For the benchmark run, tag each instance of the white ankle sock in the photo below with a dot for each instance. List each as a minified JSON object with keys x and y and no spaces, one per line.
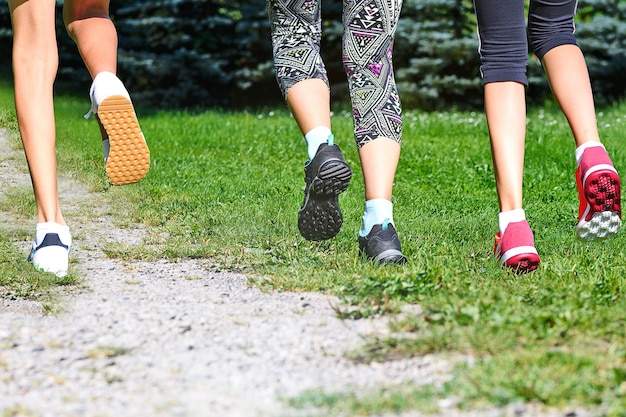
{"x":315,"y":137}
{"x":512,"y":216}
{"x":105,"y":84}
{"x":376,"y":211}
{"x":581,"y":149}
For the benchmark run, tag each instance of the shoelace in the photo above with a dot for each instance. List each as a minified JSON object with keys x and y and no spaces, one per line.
{"x":93,"y":109}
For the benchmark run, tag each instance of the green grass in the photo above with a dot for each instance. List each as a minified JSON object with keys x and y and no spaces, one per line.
{"x":226,"y":187}
{"x":19,"y":280}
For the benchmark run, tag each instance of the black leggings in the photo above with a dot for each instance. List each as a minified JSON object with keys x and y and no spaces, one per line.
{"x":502,"y":35}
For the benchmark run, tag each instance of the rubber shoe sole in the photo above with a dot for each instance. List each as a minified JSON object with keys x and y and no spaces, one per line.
{"x":320,"y":217}
{"x":601,"y":218}
{"x":524,"y":262}
{"x":128,"y":160}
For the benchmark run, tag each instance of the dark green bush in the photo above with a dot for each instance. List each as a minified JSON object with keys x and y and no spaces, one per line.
{"x":436,"y":55}
{"x":601,"y":32}
{"x":188,"y":53}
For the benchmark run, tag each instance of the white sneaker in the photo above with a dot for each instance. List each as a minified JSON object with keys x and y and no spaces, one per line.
{"x":51,"y":248}
{"x":126,"y":153}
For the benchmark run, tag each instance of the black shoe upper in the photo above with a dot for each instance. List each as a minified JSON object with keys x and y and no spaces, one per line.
{"x":326,"y":176}
{"x":382,"y":245}
{"x":325,"y":154}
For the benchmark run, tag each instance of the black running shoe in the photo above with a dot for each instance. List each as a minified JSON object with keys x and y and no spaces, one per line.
{"x":382,"y":245}
{"x":326,"y":176}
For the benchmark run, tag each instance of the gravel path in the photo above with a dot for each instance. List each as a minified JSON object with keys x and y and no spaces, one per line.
{"x":176,"y":339}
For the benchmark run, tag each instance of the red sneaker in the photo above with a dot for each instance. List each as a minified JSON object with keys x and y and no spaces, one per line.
{"x":516,"y":248}
{"x":599,"y":212}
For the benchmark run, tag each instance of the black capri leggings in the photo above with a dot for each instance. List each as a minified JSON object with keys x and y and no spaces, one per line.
{"x":503,"y":43}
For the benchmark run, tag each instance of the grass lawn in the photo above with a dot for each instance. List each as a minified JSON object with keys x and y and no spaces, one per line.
{"x":227,"y":187}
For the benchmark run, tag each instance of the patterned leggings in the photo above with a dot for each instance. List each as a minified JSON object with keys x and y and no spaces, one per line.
{"x":369,"y":28}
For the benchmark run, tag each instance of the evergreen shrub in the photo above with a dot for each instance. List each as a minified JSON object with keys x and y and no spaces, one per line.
{"x":217,"y":53}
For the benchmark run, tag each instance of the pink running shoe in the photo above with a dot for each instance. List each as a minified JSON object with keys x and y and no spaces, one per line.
{"x":599,"y":212}
{"x":516,"y":248}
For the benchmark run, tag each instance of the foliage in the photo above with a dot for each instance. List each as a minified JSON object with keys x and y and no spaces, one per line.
{"x":436,"y":56}
{"x":601,"y":33}
{"x":193,"y":52}
{"x":190,"y":53}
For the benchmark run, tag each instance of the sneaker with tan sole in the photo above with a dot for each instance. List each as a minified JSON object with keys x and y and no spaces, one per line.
{"x":126,"y":153}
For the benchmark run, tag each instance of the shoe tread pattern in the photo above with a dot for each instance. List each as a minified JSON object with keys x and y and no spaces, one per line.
{"x":320,"y":217}
{"x":129,"y":157}
{"x":602,"y":192}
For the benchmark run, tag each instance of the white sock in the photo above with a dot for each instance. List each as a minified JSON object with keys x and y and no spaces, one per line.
{"x":376,"y":211}
{"x":512,"y":216}
{"x":105,"y":84}
{"x":315,"y":137}
{"x":581,"y":149}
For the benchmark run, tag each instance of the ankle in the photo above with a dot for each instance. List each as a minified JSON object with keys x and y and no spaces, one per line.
{"x":377,"y":211}
{"x":315,"y":137}
{"x":511,"y":216}
{"x":62,"y":230}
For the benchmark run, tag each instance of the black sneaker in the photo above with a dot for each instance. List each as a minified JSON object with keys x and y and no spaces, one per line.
{"x":382,"y":245}
{"x":326,"y":176}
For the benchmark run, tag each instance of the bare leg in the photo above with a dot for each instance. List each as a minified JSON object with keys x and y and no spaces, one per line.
{"x":309,"y":101}
{"x":327,"y":173}
{"x":505,"y":106}
{"x":35,"y":63}
{"x":379,"y":160}
{"x":377,"y":239}
{"x":125,"y":150}
{"x":88,"y":24}
{"x":599,"y":212}
{"x":569,"y":80}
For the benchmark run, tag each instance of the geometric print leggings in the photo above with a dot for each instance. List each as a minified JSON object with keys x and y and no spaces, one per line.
{"x":367,"y":45}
